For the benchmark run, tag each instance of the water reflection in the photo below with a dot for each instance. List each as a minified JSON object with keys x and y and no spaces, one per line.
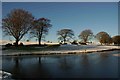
{"x":16,"y":68}
{"x":86,"y":65}
{"x":83,"y":65}
{"x":85,"y":60}
{"x":65,"y":64}
{"x":104,"y":54}
{"x":25,"y":67}
{"x":39,"y":60}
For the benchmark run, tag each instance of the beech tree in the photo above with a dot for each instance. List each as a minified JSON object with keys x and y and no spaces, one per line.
{"x":41,"y":28}
{"x":17,"y":23}
{"x":116,"y":39}
{"x":65,"y":35}
{"x":86,"y":35}
{"x":104,"y":38}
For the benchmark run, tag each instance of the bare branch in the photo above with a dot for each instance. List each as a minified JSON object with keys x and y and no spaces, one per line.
{"x":17,"y":23}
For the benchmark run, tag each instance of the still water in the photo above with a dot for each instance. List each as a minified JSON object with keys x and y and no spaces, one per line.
{"x":90,"y":65}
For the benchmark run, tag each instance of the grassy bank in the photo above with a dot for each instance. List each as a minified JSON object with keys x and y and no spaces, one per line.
{"x":57,"y":49}
{"x":31,"y":47}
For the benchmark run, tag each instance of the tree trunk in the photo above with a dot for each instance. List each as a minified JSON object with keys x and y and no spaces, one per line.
{"x":39,"y":41}
{"x":40,"y":36}
{"x":64,"y":40}
{"x":16,"y":43}
{"x":85,"y":40}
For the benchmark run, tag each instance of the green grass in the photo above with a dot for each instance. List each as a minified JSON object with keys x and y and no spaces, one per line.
{"x":32,"y":48}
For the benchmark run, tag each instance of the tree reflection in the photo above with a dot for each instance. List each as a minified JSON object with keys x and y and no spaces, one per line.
{"x":86,"y":67}
{"x":104,"y":55}
{"x":85,"y":60}
{"x":40,"y":71}
{"x":104,"y":59}
{"x":16,"y":61}
{"x":16,"y":68}
{"x":7,"y":58}
{"x":39,"y":58}
{"x":65,"y":63}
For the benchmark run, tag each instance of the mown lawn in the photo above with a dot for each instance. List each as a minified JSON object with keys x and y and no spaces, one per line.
{"x":32,"y":48}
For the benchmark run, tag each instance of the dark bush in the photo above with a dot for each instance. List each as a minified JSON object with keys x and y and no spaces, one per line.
{"x":14,"y":43}
{"x":21,"y":44}
{"x":60,"y":43}
{"x":82,"y":43}
{"x":8,"y":45}
{"x":74,"y":42}
{"x":64,"y":43}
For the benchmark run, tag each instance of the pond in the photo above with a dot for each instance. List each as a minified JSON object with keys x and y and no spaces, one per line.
{"x":85,"y":65}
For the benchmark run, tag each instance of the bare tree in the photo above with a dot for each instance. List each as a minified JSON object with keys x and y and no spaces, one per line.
{"x":40,"y":29}
{"x":104,"y":38}
{"x":65,"y":35}
{"x":86,"y":35}
{"x":17,"y":23}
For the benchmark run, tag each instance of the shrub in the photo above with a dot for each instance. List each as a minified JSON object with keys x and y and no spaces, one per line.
{"x":8,"y":45}
{"x":82,"y":43}
{"x":74,"y":42}
{"x":64,"y":43}
{"x":21,"y":44}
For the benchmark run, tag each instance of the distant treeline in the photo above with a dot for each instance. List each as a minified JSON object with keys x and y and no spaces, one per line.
{"x":19,"y":22}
